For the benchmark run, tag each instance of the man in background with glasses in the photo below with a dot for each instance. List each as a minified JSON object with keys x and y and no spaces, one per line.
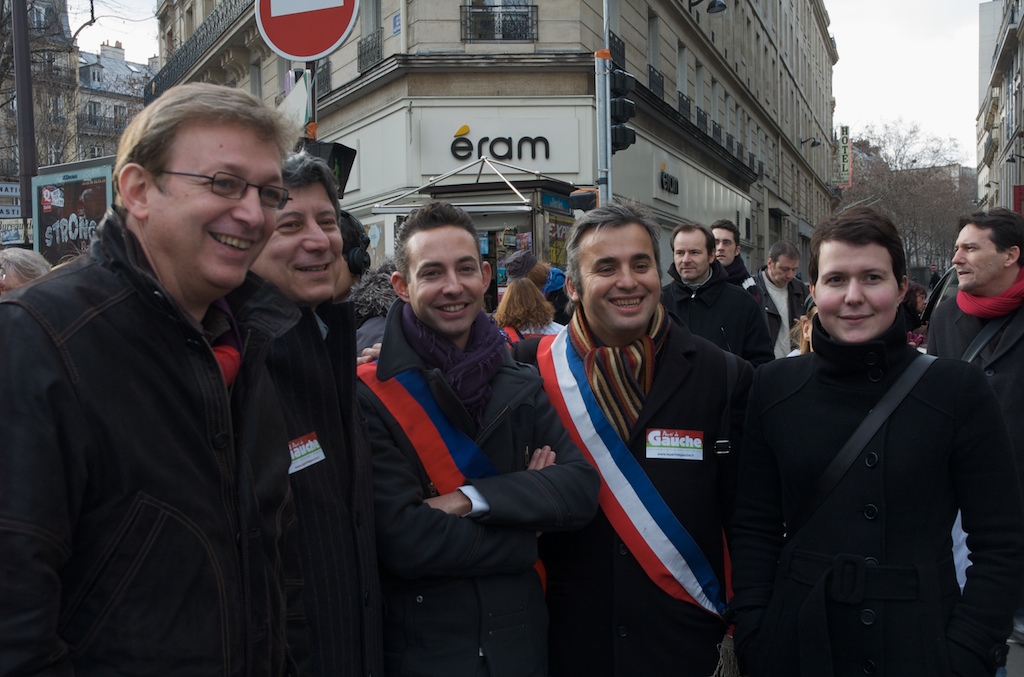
{"x":144,"y":500}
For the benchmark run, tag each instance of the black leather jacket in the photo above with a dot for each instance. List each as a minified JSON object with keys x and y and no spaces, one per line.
{"x":143,"y":505}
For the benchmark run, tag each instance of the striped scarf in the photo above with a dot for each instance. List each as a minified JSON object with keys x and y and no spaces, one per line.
{"x":622,"y":377}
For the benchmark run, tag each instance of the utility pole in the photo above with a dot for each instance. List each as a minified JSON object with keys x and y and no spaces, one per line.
{"x":27,"y":167}
{"x":602,"y":66}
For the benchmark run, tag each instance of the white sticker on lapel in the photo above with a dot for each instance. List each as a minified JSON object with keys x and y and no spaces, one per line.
{"x":686,"y":445}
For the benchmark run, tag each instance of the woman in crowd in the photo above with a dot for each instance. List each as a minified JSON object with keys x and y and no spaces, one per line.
{"x":842,"y":561}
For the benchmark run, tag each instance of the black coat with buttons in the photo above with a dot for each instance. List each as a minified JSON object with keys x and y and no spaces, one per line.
{"x":867,"y":585}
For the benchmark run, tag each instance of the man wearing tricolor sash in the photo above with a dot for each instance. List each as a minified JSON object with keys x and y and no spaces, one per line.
{"x":470,"y":463}
{"x":641,"y":590}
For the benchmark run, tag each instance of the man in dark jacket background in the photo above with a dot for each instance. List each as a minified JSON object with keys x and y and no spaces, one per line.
{"x":701,"y":297}
{"x":783,"y":294}
{"x":470,"y":462}
{"x":144,"y":499}
{"x":990,"y":273}
{"x":314,"y":368}
{"x":727,"y":251}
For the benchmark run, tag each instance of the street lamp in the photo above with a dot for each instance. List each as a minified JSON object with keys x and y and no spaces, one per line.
{"x":1013,"y":158}
{"x":814,"y":142}
{"x":714,"y":7}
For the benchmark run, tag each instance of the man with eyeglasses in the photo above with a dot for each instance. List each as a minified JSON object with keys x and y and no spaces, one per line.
{"x":783,"y":294}
{"x":145,"y":510}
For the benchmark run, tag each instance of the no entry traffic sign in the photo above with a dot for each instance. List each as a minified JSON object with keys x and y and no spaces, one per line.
{"x":305,"y":30}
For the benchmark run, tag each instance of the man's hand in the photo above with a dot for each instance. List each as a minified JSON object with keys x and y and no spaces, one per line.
{"x":455,"y":503}
{"x":369,"y":354}
{"x":542,"y":458}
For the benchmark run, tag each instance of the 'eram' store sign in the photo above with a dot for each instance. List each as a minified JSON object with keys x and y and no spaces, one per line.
{"x":548,"y":145}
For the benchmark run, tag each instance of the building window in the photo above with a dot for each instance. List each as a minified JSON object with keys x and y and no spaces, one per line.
{"x":256,"y":79}
{"x":120,"y":113}
{"x":499,"y":20}
{"x":94,"y":111}
{"x":653,"y":41}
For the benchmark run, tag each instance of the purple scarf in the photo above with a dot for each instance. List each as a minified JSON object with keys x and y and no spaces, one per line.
{"x":467,"y":372}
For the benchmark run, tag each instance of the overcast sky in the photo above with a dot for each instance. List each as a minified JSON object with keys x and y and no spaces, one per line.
{"x":915,"y":59}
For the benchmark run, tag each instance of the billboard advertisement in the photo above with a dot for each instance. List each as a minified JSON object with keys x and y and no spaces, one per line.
{"x":69,"y":204}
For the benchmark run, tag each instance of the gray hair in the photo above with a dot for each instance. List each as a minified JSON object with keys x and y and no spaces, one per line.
{"x":302,"y":169}
{"x":618,"y":214}
{"x":25,"y":263}
{"x":784,"y":248}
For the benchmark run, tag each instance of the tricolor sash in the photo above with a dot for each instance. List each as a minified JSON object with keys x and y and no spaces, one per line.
{"x":637,"y":512}
{"x":448,"y":455}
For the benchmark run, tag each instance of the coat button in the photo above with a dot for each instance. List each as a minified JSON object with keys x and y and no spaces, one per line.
{"x":419,"y":599}
{"x":221,"y":440}
{"x":869,"y":667}
{"x":871,"y":359}
{"x":867,"y":616}
{"x":990,"y":372}
{"x":623,"y":549}
{"x":871,"y":460}
{"x":870,"y":511}
{"x":874,"y":374}
{"x":622,"y":631}
{"x":870,"y":562}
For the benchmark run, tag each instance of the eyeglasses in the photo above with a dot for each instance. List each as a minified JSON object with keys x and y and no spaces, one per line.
{"x":234,"y":188}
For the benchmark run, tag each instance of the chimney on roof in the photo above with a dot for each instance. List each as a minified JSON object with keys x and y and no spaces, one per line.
{"x":115,"y":52}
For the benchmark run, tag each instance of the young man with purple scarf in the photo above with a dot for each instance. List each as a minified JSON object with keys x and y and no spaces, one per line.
{"x":987,"y":257}
{"x":470,"y":464}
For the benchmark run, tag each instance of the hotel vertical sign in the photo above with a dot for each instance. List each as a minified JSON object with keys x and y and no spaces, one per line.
{"x":844,"y":175}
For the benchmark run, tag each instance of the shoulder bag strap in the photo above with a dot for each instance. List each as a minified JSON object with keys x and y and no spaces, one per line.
{"x":723,"y":445}
{"x":858,"y":440}
{"x":986,"y":334}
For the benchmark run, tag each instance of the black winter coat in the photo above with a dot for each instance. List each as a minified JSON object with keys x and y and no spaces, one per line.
{"x":461,"y":596}
{"x":143,"y":505}
{"x":951,"y":331}
{"x":722,"y":313}
{"x":333,"y":497}
{"x":608,"y":619}
{"x":867,"y":584}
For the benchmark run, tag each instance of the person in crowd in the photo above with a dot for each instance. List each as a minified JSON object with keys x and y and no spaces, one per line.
{"x":985,"y":324}
{"x":701,"y":297}
{"x":842,"y":560}
{"x":313,"y":367}
{"x":524,"y":312}
{"x":19,"y":267}
{"x":355,"y":259}
{"x":640,"y":590}
{"x":145,"y":510}
{"x":802,"y":332}
{"x":372,"y":296}
{"x":554,"y":292}
{"x":913,"y":306}
{"x":782,"y":293}
{"x":727,"y":251}
{"x":470,"y":464}
{"x":934,"y":279}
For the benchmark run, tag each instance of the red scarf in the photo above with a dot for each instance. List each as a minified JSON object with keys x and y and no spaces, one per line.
{"x":987,"y":307}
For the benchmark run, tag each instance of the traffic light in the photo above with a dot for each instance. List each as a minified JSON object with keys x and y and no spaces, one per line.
{"x":621,"y":109}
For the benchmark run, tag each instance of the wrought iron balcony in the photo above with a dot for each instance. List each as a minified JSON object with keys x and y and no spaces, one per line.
{"x":105,"y":125}
{"x":503,"y":23}
{"x":617,"y":47}
{"x":684,"y":105}
{"x":702,"y":120}
{"x":323,"y":78}
{"x":196,"y":48}
{"x":716,"y":132}
{"x":729,"y":142}
{"x":371,"y":50}
{"x":656,"y":82}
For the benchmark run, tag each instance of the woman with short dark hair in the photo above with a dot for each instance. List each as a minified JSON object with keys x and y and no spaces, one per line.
{"x":841,"y":549}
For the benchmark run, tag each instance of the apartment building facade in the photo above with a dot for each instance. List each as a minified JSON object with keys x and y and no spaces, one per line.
{"x":734,"y":109}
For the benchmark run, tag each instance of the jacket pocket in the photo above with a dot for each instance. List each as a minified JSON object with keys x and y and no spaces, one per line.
{"x":156,"y":591}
